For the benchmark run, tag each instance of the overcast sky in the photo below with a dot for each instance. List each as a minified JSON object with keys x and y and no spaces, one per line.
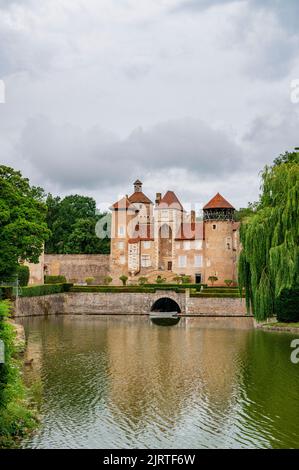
{"x":187,"y":95}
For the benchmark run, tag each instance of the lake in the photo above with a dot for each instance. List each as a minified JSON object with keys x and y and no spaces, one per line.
{"x":122,"y":382}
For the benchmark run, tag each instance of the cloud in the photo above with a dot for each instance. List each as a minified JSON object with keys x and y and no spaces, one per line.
{"x":70,"y":157}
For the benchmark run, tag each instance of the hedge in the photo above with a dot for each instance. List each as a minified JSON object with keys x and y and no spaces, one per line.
{"x":132,"y":289}
{"x":287,"y":306}
{"x":55,"y":279}
{"x":46,"y":289}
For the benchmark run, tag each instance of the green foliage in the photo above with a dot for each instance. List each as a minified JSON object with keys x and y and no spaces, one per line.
{"x":23,"y":227}
{"x":177,"y":279}
{"x":16,"y":419}
{"x":160,"y":279}
{"x":72,"y":221}
{"x":55,"y":279}
{"x":228,"y":282}
{"x":142,"y":280}
{"x":123,"y":278}
{"x":212,"y":279}
{"x":6,"y":292}
{"x":45,"y":289}
{"x":107,"y":280}
{"x":186,"y":279}
{"x":269,"y":262}
{"x":23,"y":273}
{"x":122,"y":289}
{"x":287,"y":305}
{"x":89,"y":280}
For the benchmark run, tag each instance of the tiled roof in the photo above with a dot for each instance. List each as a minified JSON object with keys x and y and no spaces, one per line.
{"x":218,"y":202}
{"x":170,"y":200}
{"x":191,"y":231}
{"x":123,"y":203}
{"x":140,"y":197}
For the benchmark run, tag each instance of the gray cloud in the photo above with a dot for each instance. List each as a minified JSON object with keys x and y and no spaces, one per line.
{"x":70,"y":157}
{"x":118,"y":65}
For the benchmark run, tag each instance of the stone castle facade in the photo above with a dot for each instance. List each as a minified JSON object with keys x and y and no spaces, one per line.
{"x":148,"y":239}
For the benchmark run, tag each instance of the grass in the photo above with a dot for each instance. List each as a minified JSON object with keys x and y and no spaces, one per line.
{"x":282,"y":325}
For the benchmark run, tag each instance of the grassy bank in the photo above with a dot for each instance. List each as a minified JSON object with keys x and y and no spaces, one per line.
{"x":17,"y":417}
{"x":292,"y":327}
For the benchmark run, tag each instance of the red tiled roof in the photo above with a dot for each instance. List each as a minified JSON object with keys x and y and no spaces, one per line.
{"x":218,"y":202}
{"x":170,"y":200}
{"x":140,"y":197}
{"x":191,"y":231}
{"x":123,"y":203}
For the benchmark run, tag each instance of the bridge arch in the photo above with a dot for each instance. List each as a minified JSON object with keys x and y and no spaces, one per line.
{"x":165,"y":304}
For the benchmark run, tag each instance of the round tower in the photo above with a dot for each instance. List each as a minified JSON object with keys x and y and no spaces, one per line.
{"x":220,"y":247}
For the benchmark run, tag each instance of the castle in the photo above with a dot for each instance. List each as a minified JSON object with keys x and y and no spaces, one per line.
{"x":148,"y":239}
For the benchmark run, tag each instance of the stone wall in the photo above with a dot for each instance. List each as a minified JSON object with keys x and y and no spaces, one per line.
{"x":79,"y":303}
{"x":121,"y":303}
{"x":216,"y":306}
{"x":36,"y":271}
{"x":36,"y":306}
{"x":76,"y":268}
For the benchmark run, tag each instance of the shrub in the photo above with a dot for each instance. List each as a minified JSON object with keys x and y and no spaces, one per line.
{"x":228,"y":282}
{"x":286,"y":306}
{"x":23,"y":273}
{"x":46,"y":289}
{"x":160,"y":279}
{"x":89,"y":280}
{"x":54,"y":279}
{"x":212,"y":279}
{"x":123,"y":279}
{"x":6,"y":292}
{"x":142,"y":281}
{"x":107,"y":280}
{"x":177,"y":279}
{"x":186,"y":279}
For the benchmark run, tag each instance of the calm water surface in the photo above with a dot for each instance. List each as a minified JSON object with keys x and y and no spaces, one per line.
{"x":121,"y":382}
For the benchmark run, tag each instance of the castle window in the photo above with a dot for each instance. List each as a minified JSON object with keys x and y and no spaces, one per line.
{"x":186,"y":245}
{"x":121,"y":245}
{"x":182,"y":261}
{"x":146,"y":261}
{"x":146,"y":245}
{"x":122,"y":260}
{"x":214,"y":226}
{"x":121,"y":231}
{"x":198,"y":244}
{"x":198,"y":261}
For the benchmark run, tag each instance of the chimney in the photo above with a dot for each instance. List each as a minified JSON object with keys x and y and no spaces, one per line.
{"x":158,"y":198}
{"x":192,"y":217}
{"x":138,"y":186}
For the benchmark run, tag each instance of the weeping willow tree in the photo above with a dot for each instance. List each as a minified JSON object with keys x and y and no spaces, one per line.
{"x":269,"y":261}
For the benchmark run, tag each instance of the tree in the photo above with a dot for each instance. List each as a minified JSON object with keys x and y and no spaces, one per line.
{"x":123,"y":278}
{"x":23,"y":227}
{"x":212,"y":279}
{"x":72,"y":221}
{"x":269,"y":261}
